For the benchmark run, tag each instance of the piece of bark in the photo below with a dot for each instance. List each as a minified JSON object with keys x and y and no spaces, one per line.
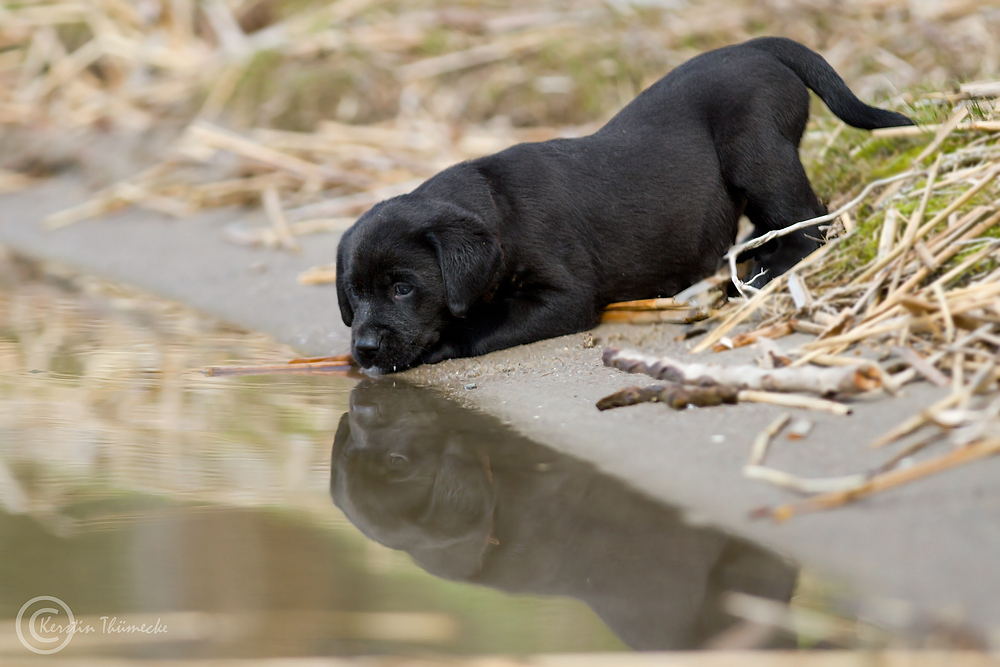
{"x":677,"y":396}
{"x":808,"y":379}
{"x":636,"y":395}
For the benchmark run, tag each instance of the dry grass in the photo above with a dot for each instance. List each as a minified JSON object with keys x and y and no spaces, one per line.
{"x":332,"y":106}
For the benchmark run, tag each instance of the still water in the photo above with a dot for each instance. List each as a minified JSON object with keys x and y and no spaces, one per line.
{"x":304,"y":515}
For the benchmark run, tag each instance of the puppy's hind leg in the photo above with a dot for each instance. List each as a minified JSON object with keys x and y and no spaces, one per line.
{"x":778,"y":194}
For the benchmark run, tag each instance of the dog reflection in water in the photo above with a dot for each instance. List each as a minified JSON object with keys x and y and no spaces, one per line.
{"x":471,"y":500}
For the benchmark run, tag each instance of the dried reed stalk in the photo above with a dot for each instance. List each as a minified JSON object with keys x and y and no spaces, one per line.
{"x":335,"y":367}
{"x":889,"y":480}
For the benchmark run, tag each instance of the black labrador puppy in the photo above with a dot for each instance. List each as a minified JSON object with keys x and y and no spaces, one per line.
{"x":472,"y":500}
{"x":534,"y":241}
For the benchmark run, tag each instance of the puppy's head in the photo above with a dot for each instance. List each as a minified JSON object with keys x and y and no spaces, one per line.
{"x":404,"y":269}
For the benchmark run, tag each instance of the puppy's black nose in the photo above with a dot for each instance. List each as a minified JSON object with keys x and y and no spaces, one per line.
{"x":365,"y":348}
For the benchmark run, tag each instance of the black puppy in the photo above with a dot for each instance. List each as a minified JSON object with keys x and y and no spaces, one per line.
{"x":534,"y":241}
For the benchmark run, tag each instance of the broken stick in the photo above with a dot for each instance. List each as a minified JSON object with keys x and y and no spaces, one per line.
{"x":683,"y":396}
{"x":763,"y":440}
{"x":676,"y":396}
{"x":808,"y":379}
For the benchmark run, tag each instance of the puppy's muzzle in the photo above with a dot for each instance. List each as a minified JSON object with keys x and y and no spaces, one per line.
{"x":366,"y":347}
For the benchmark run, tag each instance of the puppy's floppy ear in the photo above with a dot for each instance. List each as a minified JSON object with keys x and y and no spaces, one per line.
{"x":468,"y":253}
{"x":346,"y":312}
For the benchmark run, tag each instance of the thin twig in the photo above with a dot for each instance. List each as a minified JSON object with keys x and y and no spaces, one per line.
{"x":763,"y":440}
{"x":890,"y":480}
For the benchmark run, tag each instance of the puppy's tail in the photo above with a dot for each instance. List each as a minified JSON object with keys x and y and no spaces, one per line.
{"x":818,"y":75}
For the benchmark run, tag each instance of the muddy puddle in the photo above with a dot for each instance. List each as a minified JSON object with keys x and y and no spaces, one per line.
{"x":181,"y":516}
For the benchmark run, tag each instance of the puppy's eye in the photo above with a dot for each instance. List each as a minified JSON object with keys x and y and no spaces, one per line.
{"x":397,"y":461}
{"x":402,"y":289}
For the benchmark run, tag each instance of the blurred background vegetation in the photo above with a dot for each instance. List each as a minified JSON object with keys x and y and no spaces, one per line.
{"x":290,"y":64}
{"x":391,"y":91}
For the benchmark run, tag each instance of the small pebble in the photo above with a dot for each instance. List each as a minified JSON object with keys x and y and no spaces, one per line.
{"x":471,"y":385}
{"x":718,"y":438}
{"x":799,"y":429}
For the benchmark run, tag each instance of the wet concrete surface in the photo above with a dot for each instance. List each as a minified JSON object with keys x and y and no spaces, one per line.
{"x":935,"y":543}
